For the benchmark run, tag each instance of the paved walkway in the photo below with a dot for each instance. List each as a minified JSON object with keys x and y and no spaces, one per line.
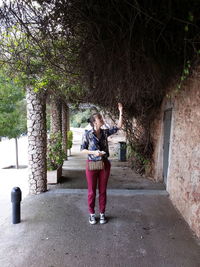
{"x":144,"y":229}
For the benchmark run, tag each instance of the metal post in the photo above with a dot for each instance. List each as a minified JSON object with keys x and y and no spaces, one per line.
{"x":16,"y":197}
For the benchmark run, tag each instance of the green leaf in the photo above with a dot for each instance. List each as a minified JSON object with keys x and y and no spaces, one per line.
{"x":186,"y":28}
{"x":36,"y":90}
{"x":191,"y":17}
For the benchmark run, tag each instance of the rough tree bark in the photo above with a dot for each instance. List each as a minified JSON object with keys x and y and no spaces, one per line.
{"x":37,"y":141}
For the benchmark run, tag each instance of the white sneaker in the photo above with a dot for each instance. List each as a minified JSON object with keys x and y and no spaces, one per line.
{"x":92,"y":219}
{"x":102,"y":218}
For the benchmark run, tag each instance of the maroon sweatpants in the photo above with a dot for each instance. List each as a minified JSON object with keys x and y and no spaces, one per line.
{"x":100,"y":177}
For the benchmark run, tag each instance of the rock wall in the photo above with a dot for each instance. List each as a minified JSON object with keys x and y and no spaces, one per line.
{"x":183,"y":181}
{"x":37,"y":141}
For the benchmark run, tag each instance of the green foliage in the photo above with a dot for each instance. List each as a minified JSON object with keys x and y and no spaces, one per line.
{"x":12,"y":107}
{"x":185,"y":74}
{"x":37,"y":61}
{"x":79,"y":118}
{"x":55,"y":153}
{"x":25,"y":57}
{"x":21,"y":55}
{"x":69,"y":139}
{"x":187,"y":66}
{"x":138,"y":161}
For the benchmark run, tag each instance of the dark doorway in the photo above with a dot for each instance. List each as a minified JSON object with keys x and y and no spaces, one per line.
{"x":166,"y":145}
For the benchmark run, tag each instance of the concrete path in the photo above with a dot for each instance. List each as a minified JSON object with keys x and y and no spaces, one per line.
{"x":144,"y":229}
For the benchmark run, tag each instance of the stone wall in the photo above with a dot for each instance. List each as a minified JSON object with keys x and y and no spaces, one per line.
{"x":37,"y":141}
{"x":183,"y":181}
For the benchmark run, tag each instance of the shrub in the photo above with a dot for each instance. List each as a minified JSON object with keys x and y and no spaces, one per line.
{"x":69,"y":139}
{"x":79,"y":119}
{"x":55,"y":153}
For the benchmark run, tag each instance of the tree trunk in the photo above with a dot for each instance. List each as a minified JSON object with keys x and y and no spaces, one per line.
{"x":64,"y":127}
{"x":37,"y":141}
{"x":56,"y":116}
{"x":16,"y":151}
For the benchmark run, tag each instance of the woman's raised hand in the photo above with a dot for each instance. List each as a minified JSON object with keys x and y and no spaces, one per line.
{"x":120,"y":107}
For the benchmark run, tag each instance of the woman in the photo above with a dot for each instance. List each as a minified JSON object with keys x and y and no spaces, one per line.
{"x":95,"y":145}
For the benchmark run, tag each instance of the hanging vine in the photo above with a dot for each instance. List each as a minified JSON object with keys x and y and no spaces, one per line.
{"x":127,"y":51}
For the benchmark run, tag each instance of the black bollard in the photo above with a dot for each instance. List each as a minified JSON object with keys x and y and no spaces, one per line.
{"x":16,"y":197}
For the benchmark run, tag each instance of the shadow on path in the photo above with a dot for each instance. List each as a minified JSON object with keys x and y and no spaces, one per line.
{"x":121,"y":177}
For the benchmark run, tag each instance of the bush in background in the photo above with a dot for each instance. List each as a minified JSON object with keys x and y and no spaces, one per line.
{"x":69,"y":139}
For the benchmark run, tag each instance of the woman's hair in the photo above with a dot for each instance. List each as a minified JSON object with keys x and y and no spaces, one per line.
{"x":93,"y":117}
